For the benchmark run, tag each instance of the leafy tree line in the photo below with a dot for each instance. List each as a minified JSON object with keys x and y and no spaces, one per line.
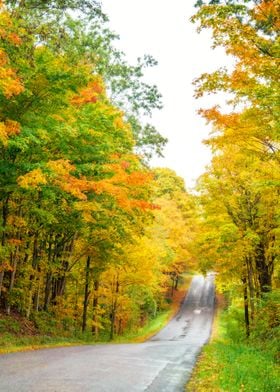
{"x":239,"y":235}
{"x":88,"y":239}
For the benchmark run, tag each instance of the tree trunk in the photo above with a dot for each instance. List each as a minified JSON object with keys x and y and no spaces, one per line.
{"x":250,"y":274}
{"x":95,"y":329}
{"x":264,"y":273}
{"x":48,"y":284}
{"x":1,"y":280}
{"x":114,"y":310}
{"x":176,"y":282}
{"x":12,"y":280}
{"x":246,"y":307}
{"x":113,"y":318}
{"x":5,"y":212}
{"x":48,"y":287}
{"x":86,"y":296}
{"x":37,"y":297}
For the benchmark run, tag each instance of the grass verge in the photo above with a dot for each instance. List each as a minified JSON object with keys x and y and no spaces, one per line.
{"x":234,"y":365}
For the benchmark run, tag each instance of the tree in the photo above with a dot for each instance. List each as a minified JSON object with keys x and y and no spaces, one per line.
{"x":249,"y":32}
{"x":239,"y":233}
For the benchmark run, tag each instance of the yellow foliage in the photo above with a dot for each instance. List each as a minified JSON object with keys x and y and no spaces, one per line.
{"x":33,"y":179}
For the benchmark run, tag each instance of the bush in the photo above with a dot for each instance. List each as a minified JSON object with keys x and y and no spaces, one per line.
{"x":10,"y":325}
{"x":45,"y":322}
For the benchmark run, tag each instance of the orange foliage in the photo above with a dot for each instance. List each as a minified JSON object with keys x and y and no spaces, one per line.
{"x":10,"y":83}
{"x":220,"y":120}
{"x":8,"y":128}
{"x":15,"y":241}
{"x":89,"y":94}
{"x":12,"y":127}
{"x":61,"y":170}
{"x":268,"y":10}
{"x":125,"y":165}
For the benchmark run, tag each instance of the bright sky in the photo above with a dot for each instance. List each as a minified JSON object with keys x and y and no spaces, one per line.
{"x":162,"y":28}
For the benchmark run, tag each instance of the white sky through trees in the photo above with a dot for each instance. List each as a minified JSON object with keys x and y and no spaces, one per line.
{"x":162,"y":28}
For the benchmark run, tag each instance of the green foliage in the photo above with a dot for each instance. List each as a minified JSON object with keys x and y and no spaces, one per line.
{"x":9,"y":325}
{"x":266,"y":329}
{"x":238,"y":235}
{"x":78,"y":239}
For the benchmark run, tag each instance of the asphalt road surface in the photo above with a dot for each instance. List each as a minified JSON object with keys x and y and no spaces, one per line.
{"x":162,"y":364}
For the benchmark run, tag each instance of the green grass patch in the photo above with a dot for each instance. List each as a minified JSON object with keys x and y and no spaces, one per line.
{"x":232,"y":363}
{"x":147,"y":331}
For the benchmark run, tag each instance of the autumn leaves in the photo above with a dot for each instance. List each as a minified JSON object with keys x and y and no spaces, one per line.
{"x":78,"y":207}
{"x":240,"y":191}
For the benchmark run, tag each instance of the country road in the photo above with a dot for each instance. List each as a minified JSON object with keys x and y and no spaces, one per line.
{"x":162,"y":364}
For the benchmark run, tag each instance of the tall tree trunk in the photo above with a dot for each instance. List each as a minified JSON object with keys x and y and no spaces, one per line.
{"x":95,"y":329}
{"x":114,"y":309}
{"x":12,"y":279}
{"x":113,"y":319}
{"x":86,"y":295}
{"x":37,"y":296}
{"x":250,"y":274}
{"x":5,"y":212}
{"x":246,"y":307}
{"x":48,"y":283}
{"x":1,"y":279}
{"x":264,"y":273}
{"x":32,"y":277}
{"x":48,"y":287}
{"x":176,"y":282}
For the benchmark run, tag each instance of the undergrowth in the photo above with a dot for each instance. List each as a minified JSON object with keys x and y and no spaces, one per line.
{"x":43,"y":330}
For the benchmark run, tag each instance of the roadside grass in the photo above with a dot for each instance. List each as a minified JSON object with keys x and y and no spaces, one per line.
{"x":232,"y":364}
{"x":233,"y":368}
{"x":19,"y":334}
{"x":147,"y":331}
{"x":10,"y":343}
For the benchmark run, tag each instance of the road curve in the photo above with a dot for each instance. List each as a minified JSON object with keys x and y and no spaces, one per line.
{"x":162,"y":364}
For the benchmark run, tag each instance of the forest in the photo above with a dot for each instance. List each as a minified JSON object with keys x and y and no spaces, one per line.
{"x":93,"y":240}
{"x":239,"y":194}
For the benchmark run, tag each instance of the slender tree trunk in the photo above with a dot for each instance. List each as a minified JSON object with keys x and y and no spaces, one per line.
{"x":176,"y":282}
{"x":5,"y":212}
{"x":250,"y":274}
{"x":172,"y":286}
{"x":120,"y":327}
{"x":86,"y":295}
{"x":246,"y":307}
{"x":95,"y":329}
{"x":48,"y":287}
{"x":12,"y":280}
{"x":114,"y":309}
{"x":48,"y":283}
{"x":37,"y":296}
{"x":113,"y":319}
{"x":1,"y":280}
{"x":29,"y":305}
